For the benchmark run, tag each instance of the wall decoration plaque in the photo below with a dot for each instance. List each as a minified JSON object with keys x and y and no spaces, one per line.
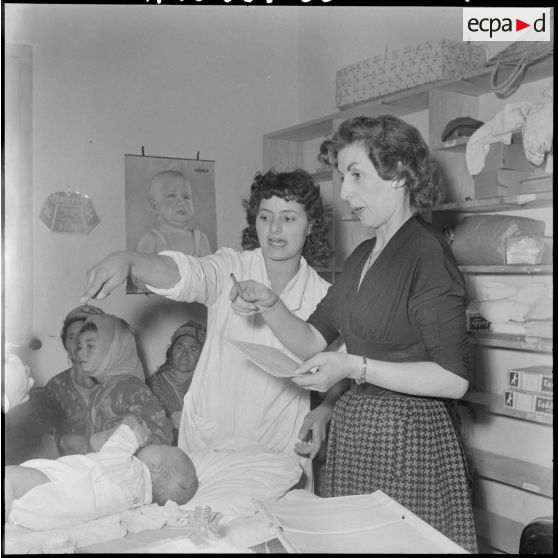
{"x":69,"y":212}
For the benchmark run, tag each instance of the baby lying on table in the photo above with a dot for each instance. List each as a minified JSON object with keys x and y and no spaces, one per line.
{"x":43,"y":494}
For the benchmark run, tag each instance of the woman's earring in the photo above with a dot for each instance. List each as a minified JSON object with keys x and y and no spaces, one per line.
{"x":396,"y":185}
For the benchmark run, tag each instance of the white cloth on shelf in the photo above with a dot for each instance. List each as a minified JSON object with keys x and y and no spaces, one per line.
{"x":538,"y":129}
{"x":499,"y":129}
{"x":535,"y":120}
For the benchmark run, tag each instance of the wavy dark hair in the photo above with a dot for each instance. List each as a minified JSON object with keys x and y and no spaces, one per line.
{"x":298,"y":186}
{"x":397,"y":150}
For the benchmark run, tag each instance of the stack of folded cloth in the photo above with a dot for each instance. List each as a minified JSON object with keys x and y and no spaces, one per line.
{"x":523,"y":310}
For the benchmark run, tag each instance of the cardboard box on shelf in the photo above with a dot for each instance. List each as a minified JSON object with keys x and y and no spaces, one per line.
{"x":405,"y":68}
{"x":537,"y":379}
{"x":513,"y":157}
{"x":512,"y":182}
{"x":507,"y":171}
{"x":475,"y":322}
{"x":528,"y":402}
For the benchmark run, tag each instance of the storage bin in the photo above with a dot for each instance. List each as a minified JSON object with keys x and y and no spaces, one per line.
{"x":404,"y":68}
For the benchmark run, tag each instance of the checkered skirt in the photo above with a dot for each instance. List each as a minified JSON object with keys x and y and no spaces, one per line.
{"x":409,"y":448}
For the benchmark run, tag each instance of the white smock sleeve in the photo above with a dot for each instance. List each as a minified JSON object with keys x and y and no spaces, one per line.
{"x":201,"y":278}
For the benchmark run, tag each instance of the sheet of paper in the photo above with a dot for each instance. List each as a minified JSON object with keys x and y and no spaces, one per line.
{"x":271,"y":360}
{"x":368,"y":523}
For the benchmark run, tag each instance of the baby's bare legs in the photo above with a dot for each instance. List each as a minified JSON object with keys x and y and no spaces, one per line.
{"x":19,"y":480}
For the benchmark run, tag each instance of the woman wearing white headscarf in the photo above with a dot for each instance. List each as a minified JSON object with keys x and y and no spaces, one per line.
{"x":69,"y":390}
{"x":106,"y":351}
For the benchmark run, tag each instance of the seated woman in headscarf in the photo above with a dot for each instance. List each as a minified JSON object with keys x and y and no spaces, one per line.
{"x":171,"y":380}
{"x":106,"y":351}
{"x":71,"y":389}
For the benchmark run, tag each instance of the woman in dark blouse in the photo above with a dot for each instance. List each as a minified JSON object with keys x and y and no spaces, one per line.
{"x":172,"y":379}
{"x":400,"y":306}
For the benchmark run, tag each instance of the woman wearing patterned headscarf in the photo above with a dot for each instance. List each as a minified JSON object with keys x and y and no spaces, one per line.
{"x":171,"y":380}
{"x":106,"y":351}
{"x":70,"y":390}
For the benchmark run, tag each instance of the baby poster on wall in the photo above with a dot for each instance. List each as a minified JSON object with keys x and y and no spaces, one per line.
{"x":170,"y":205}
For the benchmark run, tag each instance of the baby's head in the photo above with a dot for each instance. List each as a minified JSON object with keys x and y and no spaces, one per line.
{"x":173,"y":475}
{"x":170,"y":198}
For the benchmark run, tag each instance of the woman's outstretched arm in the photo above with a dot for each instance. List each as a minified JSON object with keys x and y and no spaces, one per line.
{"x":153,"y":269}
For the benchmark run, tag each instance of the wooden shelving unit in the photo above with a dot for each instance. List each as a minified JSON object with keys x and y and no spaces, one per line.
{"x":499,"y":532}
{"x":518,"y":269}
{"x":322,"y":175}
{"x":514,"y":342}
{"x":513,"y":472}
{"x":500,"y":203}
{"x":407,"y":101}
{"x":329,"y":272}
{"x":494,"y":403}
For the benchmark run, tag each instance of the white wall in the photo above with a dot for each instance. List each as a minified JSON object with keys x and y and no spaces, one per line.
{"x":175,"y":79}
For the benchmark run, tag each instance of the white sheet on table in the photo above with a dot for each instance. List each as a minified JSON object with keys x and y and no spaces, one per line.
{"x":369,"y":523}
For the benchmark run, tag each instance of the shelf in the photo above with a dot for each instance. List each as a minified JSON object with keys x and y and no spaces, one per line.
{"x":500,"y":532}
{"x":499,"y":203}
{"x":511,"y":341}
{"x":409,"y":101}
{"x":493,"y":402}
{"x":322,"y":175}
{"x":513,"y":472}
{"x":453,"y":144}
{"x":515,"y":269}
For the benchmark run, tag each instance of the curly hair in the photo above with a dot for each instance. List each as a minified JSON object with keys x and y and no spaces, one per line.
{"x":296,"y":186}
{"x":397,"y":150}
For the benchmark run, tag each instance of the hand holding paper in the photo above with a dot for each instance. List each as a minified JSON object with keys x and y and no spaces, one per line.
{"x":330,"y":367}
{"x":319,"y":372}
{"x":271,"y":360}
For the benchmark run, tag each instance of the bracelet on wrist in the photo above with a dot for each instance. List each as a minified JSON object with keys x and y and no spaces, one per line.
{"x":361,"y":378}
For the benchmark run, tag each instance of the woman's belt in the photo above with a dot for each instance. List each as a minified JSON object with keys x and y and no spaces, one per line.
{"x":371,"y":389}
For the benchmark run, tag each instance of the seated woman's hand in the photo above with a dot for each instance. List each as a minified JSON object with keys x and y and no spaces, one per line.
{"x":138,"y":428}
{"x":313,"y":432}
{"x":175,"y":419}
{"x":323,"y":370}
{"x":253,"y":298}
{"x":74,"y":443}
